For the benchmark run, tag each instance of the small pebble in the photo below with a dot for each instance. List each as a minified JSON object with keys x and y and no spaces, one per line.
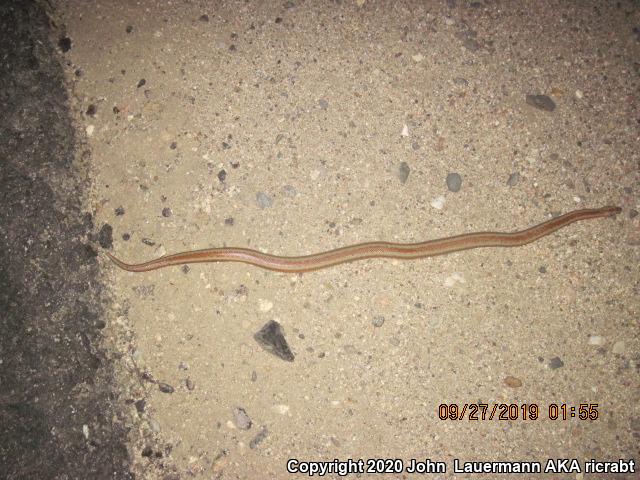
{"x":471,"y":44}
{"x":417,"y":58}
{"x":438,"y":202}
{"x":323,"y":104}
{"x":154,"y":425}
{"x":173,"y":145}
{"x":65,"y":44}
{"x":222,"y":175}
{"x":166,"y":212}
{"x":129,"y":29}
{"x":165,"y":387}
{"x":141,"y":82}
{"x":119,"y":211}
{"x":461,"y":82}
{"x":105,"y":236}
{"x":229,"y":221}
{"x":265,"y":305}
{"x":378,"y":320}
{"x":91,"y":110}
{"x":596,"y":340}
{"x":264,"y":200}
{"x":403,"y":172}
{"x":512,"y":382}
{"x":541,"y":102}
{"x":453,"y":279}
{"x":204,"y":18}
{"x":257,"y":440}
{"x":189,"y":384}
{"x":618,"y":347}
{"x":141,"y":405}
{"x":90,"y":129}
{"x":289,"y":191}
{"x":454,"y":182}
{"x":555,"y":363}
{"x":513,"y":179}
{"x":282,"y":409}
{"x":241,"y":419}
{"x":405,"y":131}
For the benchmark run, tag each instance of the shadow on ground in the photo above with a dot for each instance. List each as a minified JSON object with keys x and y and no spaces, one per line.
{"x":60,"y":415}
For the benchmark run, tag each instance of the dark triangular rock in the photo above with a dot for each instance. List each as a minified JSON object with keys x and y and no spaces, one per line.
{"x":271,"y":338}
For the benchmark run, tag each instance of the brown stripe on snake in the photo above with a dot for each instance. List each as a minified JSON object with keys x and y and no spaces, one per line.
{"x":403,"y":251}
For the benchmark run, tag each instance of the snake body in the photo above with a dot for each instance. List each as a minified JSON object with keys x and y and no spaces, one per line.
{"x":351,"y":253}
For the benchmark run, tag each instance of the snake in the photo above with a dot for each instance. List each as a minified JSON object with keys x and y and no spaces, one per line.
{"x":361,"y":251}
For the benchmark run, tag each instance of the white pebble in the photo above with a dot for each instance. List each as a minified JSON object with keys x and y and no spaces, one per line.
{"x":579,"y":94}
{"x":596,"y":340}
{"x":405,"y":131}
{"x":454,"y":278}
{"x":89,"y":130}
{"x":265,"y":305}
{"x":282,"y":409}
{"x":417,"y":58}
{"x":438,"y":202}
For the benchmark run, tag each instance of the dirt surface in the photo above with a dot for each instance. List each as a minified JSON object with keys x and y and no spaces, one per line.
{"x":295,"y":127}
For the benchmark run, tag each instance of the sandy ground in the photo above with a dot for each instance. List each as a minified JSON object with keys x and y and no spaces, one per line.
{"x":294,"y":127}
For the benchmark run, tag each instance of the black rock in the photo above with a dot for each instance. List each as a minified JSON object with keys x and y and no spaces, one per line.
{"x":271,"y":338}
